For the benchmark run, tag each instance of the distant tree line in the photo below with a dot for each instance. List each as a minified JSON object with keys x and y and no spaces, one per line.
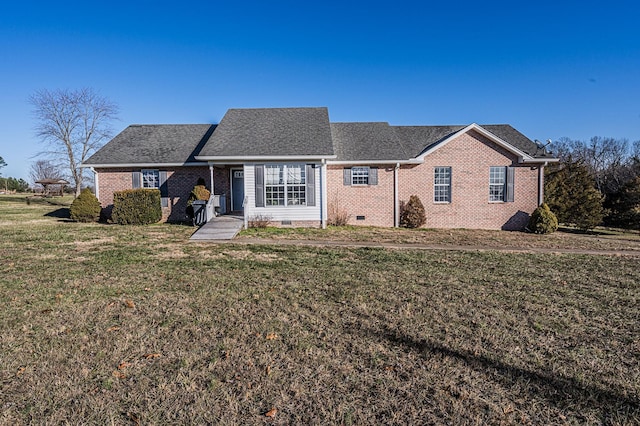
{"x":596,"y":182}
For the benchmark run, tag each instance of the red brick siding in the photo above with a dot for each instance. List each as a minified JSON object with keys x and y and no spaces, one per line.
{"x":180,"y":182}
{"x":374,"y":202}
{"x":470,"y":156}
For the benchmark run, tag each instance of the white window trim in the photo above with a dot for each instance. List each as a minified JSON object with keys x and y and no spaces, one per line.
{"x":448,"y":186}
{"x":142,"y":180}
{"x":504,"y":185}
{"x":286,"y":204}
{"x":363,"y":168}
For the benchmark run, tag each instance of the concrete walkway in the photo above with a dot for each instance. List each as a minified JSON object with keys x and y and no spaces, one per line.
{"x":219,"y":228}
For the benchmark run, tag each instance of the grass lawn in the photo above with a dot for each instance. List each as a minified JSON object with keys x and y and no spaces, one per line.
{"x":566,"y":238}
{"x":103,"y":324}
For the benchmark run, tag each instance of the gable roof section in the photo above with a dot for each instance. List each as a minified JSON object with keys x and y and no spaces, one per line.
{"x":418,"y":138}
{"x":503,"y":135}
{"x":366,"y":142}
{"x":270,"y":133}
{"x":157,"y":145}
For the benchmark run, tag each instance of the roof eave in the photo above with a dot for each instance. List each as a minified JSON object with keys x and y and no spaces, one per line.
{"x":128,"y":165}
{"x":537,"y":160}
{"x":215,"y":158}
{"x":374,"y":162}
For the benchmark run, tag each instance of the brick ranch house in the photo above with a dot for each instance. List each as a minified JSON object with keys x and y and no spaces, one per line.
{"x":297,"y":168}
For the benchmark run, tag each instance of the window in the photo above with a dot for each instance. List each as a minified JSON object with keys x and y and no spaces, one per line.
{"x":360,"y":176}
{"x":442,"y":185}
{"x":150,"y":179}
{"x":497,"y":183}
{"x":285,"y":184}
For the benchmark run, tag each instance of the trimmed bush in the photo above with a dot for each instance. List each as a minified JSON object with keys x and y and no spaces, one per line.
{"x":543,"y":220}
{"x":199,"y":192}
{"x":85,"y":208}
{"x":413,"y":214}
{"x":136,"y":207}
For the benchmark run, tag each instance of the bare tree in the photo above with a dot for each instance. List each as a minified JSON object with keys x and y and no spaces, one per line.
{"x":73,"y":124}
{"x":606,"y":159}
{"x":44,"y":169}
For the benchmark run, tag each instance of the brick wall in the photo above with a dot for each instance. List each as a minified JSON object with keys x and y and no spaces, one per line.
{"x":374,"y":202}
{"x":470,"y":156}
{"x":180,"y":182}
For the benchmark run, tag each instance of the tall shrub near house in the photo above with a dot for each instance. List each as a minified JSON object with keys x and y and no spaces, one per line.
{"x":543,"y":221}
{"x":136,"y":207}
{"x":571,"y":193}
{"x":624,"y":206}
{"x":85,"y":208}
{"x":413,"y":214}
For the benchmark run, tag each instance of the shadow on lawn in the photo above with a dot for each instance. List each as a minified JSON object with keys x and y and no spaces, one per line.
{"x":61,"y":213}
{"x":564,"y":393}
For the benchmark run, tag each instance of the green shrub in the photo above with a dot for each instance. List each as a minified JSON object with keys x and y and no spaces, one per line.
{"x":85,"y":208}
{"x":543,"y":220}
{"x":136,"y":207}
{"x":413,"y":215}
{"x":199,"y":192}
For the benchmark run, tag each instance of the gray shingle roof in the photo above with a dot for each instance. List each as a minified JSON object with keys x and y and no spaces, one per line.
{"x":417,"y":138}
{"x":283,"y":132}
{"x":271,"y":132}
{"x":154,"y":144}
{"x":517,"y":139}
{"x":367,"y":141}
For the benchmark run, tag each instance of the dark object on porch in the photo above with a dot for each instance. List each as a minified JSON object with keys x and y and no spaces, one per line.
{"x":199,"y":212}
{"x":52,"y":187}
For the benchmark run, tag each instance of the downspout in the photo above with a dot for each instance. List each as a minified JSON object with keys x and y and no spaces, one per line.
{"x":541,"y":183}
{"x":323,"y":194}
{"x":95,"y":183}
{"x":396,"y":197}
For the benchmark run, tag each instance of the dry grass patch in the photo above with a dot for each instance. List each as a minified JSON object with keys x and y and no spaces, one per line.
{"x":567,"y":239}
{"x":311,"y":335}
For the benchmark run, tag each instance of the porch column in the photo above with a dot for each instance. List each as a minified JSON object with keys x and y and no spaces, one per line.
{"x":211,"y":173}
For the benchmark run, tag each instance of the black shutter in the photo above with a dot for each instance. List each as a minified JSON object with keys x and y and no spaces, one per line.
{"x":135,"y":180}
{"x":259,"y":186}
{"x":373,"y":176}
{"x":346,"y":177}
{"x":164,"y":192}
{"x":510,"y":184}
{"x":311,"y":185}
{"x":450,"y":182}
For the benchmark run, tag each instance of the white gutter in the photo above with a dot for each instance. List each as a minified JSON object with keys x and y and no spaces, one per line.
{"x":376,"y":162}
{"x":396,"y":197}
{"x":545,"y":161}
{"x":148,"y":165}
{"x":245,"y":158}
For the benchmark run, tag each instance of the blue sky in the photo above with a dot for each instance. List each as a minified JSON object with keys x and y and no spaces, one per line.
{"x":549,"y":68}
